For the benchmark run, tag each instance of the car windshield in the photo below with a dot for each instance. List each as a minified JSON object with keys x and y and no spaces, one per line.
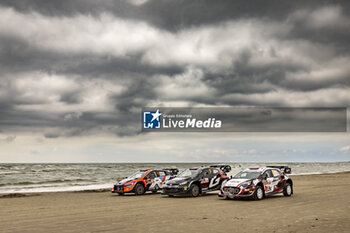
{"x":188,"y":173}
{"x":136,"y":175}
{"x":247,"y":175}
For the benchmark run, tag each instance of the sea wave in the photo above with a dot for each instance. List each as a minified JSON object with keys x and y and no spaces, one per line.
{"x":43,"y":182}
{"x":59,"y":189}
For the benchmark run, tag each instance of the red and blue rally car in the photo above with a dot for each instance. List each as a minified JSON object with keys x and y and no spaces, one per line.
{"x":144,"y":180}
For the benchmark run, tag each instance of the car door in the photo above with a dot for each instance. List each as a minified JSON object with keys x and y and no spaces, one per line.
{"x":149,"y":178}
{"x":268,"y":181}
{"x":158,"y":181}
{"x":215,"y":178}
{"x":204,"y":179}
{"x":276,"y":182}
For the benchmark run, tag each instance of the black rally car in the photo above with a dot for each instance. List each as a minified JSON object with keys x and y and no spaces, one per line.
{"x":196,"y":181}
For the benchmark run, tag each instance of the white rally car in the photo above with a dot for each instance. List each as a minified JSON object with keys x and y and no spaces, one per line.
{"x":258,"y":183}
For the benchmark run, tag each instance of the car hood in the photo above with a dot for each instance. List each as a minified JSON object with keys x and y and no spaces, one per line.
{"x":124,"y":181}
{"x":235,"y":182}
{"x":177,"y":180}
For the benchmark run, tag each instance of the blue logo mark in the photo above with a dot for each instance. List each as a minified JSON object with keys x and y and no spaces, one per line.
{"x":151,"y":120}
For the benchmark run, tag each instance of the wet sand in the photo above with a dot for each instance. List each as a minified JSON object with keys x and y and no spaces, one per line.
{"x":321,"y":203}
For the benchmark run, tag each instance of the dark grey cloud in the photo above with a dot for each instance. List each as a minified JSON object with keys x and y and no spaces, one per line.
{"x":173,"y":14}
{"x":69,"y":68}
{"x":51,"y":135}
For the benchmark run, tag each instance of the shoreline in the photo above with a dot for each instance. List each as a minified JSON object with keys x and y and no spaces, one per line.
{"x":34,"y":193}
{"x":43,"y":178}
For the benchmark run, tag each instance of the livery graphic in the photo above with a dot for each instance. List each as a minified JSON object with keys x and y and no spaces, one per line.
{"x":152,"y":120}
{"x":258,"y":183}
{"x":196,"y":181}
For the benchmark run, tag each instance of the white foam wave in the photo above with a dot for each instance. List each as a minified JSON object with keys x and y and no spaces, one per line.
{"x":57,"y":189}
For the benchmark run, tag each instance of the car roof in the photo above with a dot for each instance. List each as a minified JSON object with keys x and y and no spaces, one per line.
{"x":259,"y":169}
{"x":197,"y":168}
{"x":153,"y":170}
{"x":146,"y":170}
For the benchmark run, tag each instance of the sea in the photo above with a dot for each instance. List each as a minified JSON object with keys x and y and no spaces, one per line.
{"x":60,"y":177}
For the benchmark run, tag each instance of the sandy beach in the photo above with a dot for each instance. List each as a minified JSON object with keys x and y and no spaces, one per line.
{"x":321,"y":203}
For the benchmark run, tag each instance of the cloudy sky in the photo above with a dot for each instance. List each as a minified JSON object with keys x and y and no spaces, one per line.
{"x":75,"y":74}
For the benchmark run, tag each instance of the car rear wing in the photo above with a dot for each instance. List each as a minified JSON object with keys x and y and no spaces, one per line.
{"x":285,"y":169}
{"x":172,"y":171}
{"x":225,"y":168}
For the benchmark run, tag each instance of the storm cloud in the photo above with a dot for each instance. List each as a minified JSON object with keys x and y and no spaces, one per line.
{"x":71,"y":68}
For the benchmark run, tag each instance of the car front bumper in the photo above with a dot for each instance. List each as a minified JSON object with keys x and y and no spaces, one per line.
{"x":121,"y":189}
{"x":176,"y":190}
{"x":233,"y":192}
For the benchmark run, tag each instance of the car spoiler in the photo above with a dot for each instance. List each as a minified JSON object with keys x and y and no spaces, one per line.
{"x":225,"y":168}
{"x":286,"y":169}
{"x":172,"y":171}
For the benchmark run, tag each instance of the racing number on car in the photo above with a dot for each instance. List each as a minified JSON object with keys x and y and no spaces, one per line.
{"x":214,"y":181}
{"x":267,"y":186}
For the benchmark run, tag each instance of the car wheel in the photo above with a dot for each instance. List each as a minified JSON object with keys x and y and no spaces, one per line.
{"x":259,"y":193}
{"x":287,"y":190}
{"x":139,"y":189}
{"x":194,"y":190}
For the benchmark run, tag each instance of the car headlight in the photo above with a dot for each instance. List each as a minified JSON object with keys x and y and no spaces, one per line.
{"x":246,"y":184}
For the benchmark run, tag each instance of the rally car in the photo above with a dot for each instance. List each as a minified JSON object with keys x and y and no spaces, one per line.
{"x":258,"y":183}
{"x":144,"y":180}
{"x":196,"y":181}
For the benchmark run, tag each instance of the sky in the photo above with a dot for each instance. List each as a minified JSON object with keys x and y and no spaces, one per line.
{"x":74,"y":76}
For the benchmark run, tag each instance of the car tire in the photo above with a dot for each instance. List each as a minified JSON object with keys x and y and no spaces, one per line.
{"x":287,"y":190}
{"x":120,"y":194}
{"x":259,"y":193}
{"x":170,"y":195}
{"x":140,"y":189}
{"x":194,"y":190}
